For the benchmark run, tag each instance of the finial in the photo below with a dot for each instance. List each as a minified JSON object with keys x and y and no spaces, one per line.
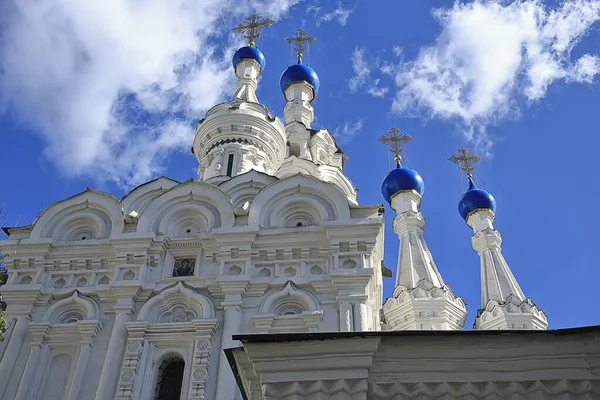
{"x":300,"y":42}
{"x":466,"y":160}
{"x":395,"y":140}
{"x":252,"y":27}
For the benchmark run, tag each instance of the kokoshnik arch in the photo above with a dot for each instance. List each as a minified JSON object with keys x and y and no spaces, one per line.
{"x":145,"y":297}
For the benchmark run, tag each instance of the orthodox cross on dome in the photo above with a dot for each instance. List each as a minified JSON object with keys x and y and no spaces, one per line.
{"x":253,"y":27}
{"x":466,"y":160}
{"x":395,"y":141}
{"x":300,"y":42}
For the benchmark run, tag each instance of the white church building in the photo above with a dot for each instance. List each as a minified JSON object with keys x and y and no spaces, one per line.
{"x":263,"y":279}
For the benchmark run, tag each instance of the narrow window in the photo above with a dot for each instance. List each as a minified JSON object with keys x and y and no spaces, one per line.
{"x":229,"y":164}
{"x":170,"y":379}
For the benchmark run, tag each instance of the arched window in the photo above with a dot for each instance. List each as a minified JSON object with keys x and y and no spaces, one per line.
{"x":170,"y":379}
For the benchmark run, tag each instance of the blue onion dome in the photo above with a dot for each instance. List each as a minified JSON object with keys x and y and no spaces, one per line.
{"x":298,"y":73}
{"x":401,"y":179}
{"x":249,"y":52}
{"x":475,"y":199}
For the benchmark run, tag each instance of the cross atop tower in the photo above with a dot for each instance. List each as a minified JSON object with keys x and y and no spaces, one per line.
{"x":466,"y":160}
{"x":252,"y":27}
{"x":300,"y":42}
{"x":395,"y":141}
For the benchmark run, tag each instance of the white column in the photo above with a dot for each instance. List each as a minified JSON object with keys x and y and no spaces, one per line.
{"x":346,"y":316}
{"x":10,"y":323}
{"x":114,"y":354}
{"x":360,"y":315}
{"x":89,"y":330}
{"x":226,"y":386}
{"x":30,"y":377}
{"x":12,"y":351}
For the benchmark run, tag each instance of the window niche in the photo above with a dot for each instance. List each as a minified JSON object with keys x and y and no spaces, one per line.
{"x":184,"y":267}
{"x":170,"y":379}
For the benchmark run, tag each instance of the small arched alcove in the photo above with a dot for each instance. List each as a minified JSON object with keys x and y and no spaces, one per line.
{"x":169,"y":380}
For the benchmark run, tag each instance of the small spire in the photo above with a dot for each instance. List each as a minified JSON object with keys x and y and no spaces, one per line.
{"x":300,"y":42}
{"x":253,"y":27}
{"x":395,"y":141}
{"x":466,"y":160}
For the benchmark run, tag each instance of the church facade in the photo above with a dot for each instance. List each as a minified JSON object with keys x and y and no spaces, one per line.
{"x":145,"y":297}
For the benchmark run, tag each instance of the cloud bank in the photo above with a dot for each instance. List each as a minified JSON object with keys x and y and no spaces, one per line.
{"x":491,"y":56}
{"x":113,"y":86}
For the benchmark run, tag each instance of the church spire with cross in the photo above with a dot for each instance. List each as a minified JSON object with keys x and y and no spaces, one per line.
{"x":242,"y":134}
{"x":421,"y":300}
{"x":299,"y":83}
{"x":503,"y":303}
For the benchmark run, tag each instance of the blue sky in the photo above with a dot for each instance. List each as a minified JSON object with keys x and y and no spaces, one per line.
{"x":106,"y":95}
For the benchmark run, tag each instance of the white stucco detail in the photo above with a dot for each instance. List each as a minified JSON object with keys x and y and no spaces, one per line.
{"x":421,"y":300}
{"x":503,"y":303}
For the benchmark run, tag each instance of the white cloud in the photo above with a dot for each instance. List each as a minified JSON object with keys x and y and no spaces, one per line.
{"x":340,"y":14}
{"x":362,"y":74}
{"x":376,"y":91}
{"x":491,"y":54}
{"x":114,"y":86}
{"x":348,"y":131}
{"x":360,"y":68}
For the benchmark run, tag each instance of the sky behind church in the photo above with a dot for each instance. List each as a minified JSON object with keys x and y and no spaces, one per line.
{"x":105,"y":94}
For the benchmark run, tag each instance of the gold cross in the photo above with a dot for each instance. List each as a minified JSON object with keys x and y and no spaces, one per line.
{"x":300,"y":42}
{"x":252,"y":27}
{"x":466,"y":160}
{"x":395,"y":142}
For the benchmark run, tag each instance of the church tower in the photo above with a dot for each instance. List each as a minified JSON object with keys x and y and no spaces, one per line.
{"x":503,"y":303}
{"x":242,"y":134}
{"x":421,"y":300}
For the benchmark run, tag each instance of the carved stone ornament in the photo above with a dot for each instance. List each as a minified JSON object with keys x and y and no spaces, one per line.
{"x":134,"y":347}
{"x":178,"y":316}
{"x":127,"y":376}
{"x":200,"y":374}
{"x":203,"y":345}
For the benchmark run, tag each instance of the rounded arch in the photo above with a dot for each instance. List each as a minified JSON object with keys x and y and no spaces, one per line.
{"x":177,"y":304}
{"x":138,"y":198}
{"x":296,"y":199}
{"x":289,"y":301}
{"x":244,"y":188}
{"x":191,"y":205}
{"x":72,"y":309}
{"x":87,"y":215}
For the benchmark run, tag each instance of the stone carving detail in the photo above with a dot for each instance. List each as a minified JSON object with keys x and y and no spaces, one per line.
{"x":127,"y":376}
{"x":203,"y":345}
{"x":134,"y":346}
{"x":339,"y":388}
{"x":480,"y":390}
{"x":200,"y":367}
{"x":178,"y":316}
{"x":200,"y":374}
{"x":131,"y":360}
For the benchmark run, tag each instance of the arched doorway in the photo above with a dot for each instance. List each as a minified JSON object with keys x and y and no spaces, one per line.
{"x":170,"y":379}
